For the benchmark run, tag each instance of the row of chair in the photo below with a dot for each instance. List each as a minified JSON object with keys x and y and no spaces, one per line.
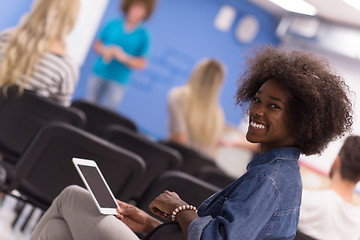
{"x":23,"y":116}
{"x":46,"y":168}
{"x":48,"y":141}
{"x":27,"y":114}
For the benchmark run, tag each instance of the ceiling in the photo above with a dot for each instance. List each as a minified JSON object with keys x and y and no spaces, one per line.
{"x":336,"y":11}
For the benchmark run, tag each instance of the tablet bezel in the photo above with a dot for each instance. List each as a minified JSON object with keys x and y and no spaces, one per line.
{"x":92,"y":163}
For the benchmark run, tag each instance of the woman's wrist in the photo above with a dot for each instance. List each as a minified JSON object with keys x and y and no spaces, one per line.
{"x":182,"y":208}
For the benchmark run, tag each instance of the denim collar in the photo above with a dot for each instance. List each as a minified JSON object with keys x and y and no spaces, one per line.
{"x":285,"y":153}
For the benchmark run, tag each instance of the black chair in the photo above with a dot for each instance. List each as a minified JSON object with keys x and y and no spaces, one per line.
{"x":46,"y":167}
{"x":21,"y":117}
{"x":173,"y":231}
{"x":99,"y":117}
{"x":158,"y":158}
{"x":302,"y":236}
{"x":191,"y":189}
{"x":166,"y":231}
{"x":214,"y":176}
{"x":192,"y":159}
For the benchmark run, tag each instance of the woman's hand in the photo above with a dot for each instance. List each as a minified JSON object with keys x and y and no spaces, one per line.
{"x":136,"y":219}
{"x":164,"y":204}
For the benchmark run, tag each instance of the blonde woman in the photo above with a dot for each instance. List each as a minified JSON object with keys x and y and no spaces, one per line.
{"x":196,"y":118}
{"x":33,"y":55}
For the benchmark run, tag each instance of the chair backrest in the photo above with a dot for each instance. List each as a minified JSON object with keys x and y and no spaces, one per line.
{"x":214,"y":176}
{"x":158,"y":158}
{"x":192,"y":159}
{"x":46,"y":167}
{"x":166,"y":231}
{"x":302,"y":236}
{"x":99,"y":117}
{"x":21,"y":117}
{"x":191,"y":189}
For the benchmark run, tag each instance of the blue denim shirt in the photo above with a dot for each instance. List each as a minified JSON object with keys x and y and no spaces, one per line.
{"x":264,"y":203}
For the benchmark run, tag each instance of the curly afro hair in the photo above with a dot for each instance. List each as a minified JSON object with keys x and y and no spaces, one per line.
{"x":319,"y":108}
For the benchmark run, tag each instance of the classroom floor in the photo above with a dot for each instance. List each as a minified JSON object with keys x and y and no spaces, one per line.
{"x":7,"y":216}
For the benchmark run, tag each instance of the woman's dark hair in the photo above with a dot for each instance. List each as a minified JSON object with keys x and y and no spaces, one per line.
{"x":350,"y":159}
{"x":319,"y":109}
{"x":149,"y":6}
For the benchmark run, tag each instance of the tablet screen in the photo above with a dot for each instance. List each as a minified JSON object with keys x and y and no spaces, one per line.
{"x":97,"y":186}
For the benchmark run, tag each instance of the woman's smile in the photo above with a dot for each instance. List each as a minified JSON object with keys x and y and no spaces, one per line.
{"x":257,"y":125}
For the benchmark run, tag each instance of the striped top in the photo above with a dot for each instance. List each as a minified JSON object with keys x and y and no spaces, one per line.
{"x":54,"y":78}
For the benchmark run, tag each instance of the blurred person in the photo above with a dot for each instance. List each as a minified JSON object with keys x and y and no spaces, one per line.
{"x":240,"y":141}
{"x":122,"y":46}
{"x":234,"y":151}
{"x":285,"y":118}
{"x":333,"y":214}
{"x":33,"y":54}
{"x":196,"y":118}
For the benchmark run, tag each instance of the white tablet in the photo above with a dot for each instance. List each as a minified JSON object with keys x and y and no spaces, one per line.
{"x":97,"y":186}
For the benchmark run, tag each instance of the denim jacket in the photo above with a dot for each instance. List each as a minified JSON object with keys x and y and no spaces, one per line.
{"x":264,"y":203}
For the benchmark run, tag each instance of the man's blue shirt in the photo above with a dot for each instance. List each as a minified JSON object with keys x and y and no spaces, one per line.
{"x":262,"y":204}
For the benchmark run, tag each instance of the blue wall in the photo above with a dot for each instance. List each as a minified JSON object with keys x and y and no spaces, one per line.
{"x":11,"y":12}
{"x":182,"y":33}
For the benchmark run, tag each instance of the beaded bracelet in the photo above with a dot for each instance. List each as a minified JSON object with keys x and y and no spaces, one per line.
{"x":180,"y":208}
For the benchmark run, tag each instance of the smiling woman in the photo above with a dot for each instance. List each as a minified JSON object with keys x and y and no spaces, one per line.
{"x":268,"y":118}
{"x":318,"y":108}
{"x":297,"y":105}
